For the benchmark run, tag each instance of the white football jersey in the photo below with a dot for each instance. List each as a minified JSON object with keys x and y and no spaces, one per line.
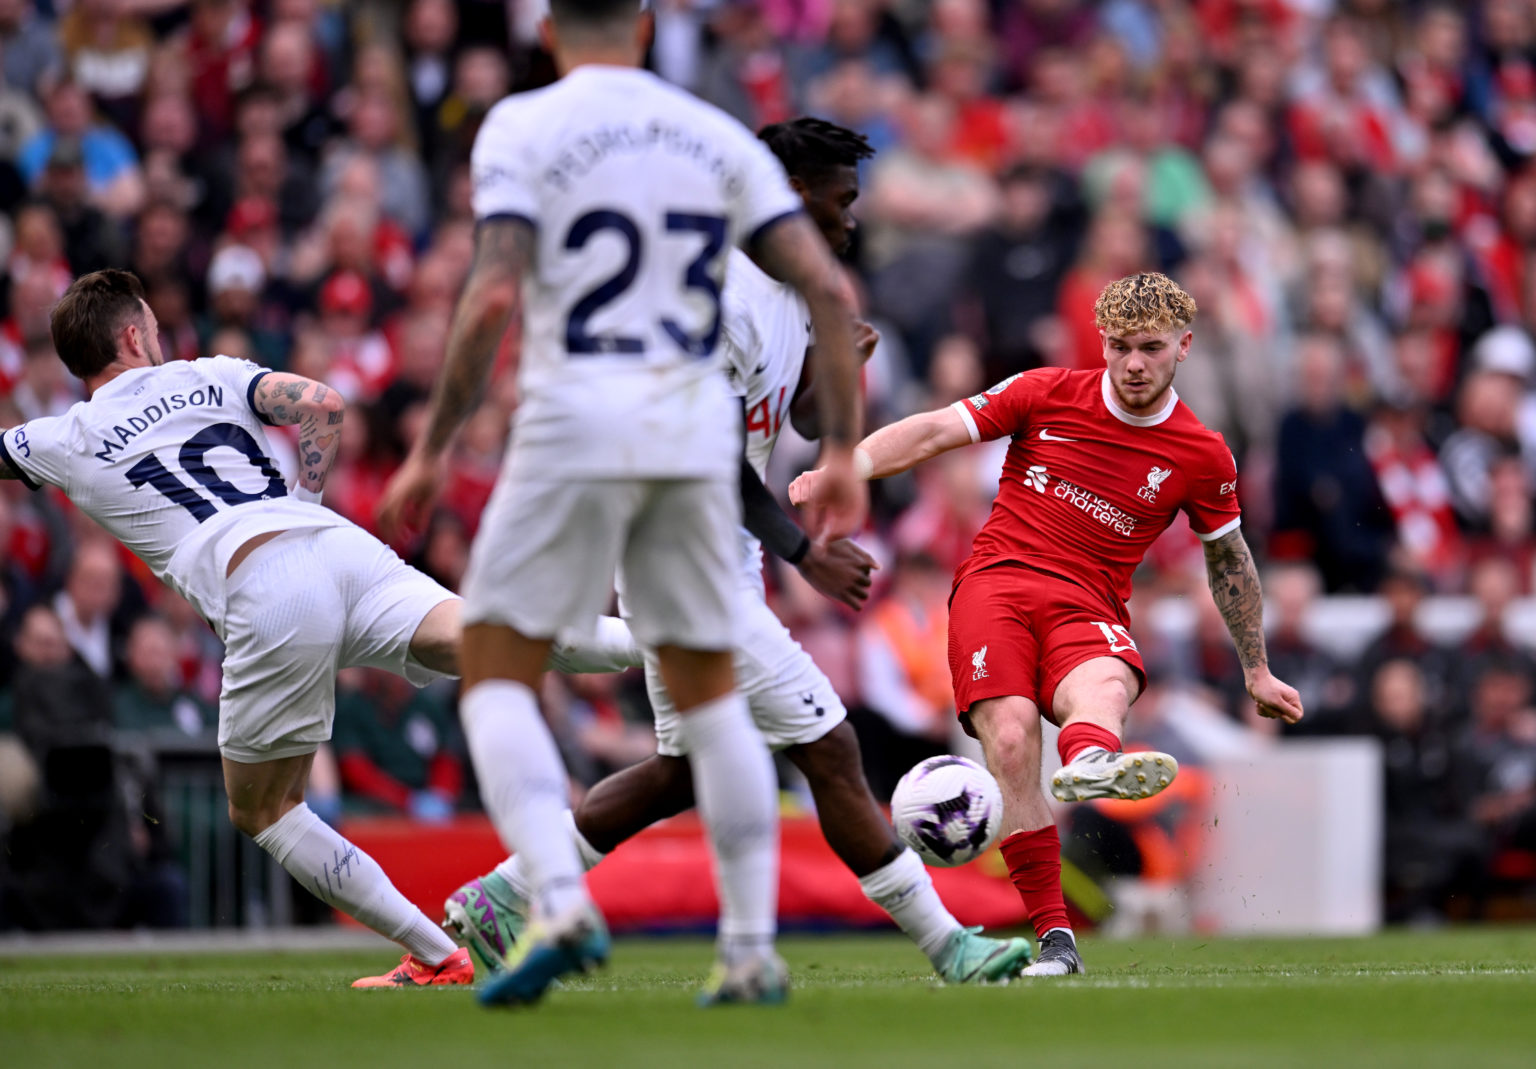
{"x":767,"y":329}
{"x":173,"y":461}
{"x":636,"y":190}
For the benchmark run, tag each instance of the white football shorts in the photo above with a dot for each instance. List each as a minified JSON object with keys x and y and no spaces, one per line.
{"x":791,"y":699}
{"x":544,"y":559}
{"x":308,"y":603}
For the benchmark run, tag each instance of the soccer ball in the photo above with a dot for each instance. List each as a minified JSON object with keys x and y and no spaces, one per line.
{"x":948,"y":809}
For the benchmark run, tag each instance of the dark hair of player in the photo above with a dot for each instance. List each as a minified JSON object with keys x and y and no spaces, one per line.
{"x":592,"y":12}
{"x":809,"y":148}
{"x":86,"y":321}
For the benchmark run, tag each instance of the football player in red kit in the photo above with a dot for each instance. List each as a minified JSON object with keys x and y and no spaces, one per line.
{"x":1099,"y":463}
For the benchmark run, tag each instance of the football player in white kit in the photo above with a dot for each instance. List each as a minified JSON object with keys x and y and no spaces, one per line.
{"x":172,"y":460}
{"x":607,"y":200}
{"x":792,"y":701}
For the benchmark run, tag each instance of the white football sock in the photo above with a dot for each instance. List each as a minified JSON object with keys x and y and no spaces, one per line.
{"x":737,"y":793}
{"x":905,"y":891}
{"x":524,"y":789}
{"x":611,"y":649}
{"x":515,"y":871}
{"x":345,"y":878}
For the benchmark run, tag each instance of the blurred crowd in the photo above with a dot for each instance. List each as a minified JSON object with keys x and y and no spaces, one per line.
{"x":1347,"y":188}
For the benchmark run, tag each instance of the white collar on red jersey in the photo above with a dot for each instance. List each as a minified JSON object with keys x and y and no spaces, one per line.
{"x":1135,"y":421}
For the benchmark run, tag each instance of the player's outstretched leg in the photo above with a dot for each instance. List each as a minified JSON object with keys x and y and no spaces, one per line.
{"x":266,"y":802}
{"x":1091,"y":703}
{"x":891,"y":875}
{"x":488,"y":914}
{"x":1009,"y":729}
{"x":1093,"y":766}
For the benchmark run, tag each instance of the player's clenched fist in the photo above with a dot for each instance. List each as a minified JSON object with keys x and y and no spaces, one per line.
{"x":408,"y":495}
{"x":1275,"y":699}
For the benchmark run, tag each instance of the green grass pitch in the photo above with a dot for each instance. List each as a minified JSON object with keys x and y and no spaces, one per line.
{"x":1447,"y":998}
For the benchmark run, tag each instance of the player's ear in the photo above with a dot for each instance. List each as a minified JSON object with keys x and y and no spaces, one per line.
{"x":798,"y":186}
{"x":1188,"y":337}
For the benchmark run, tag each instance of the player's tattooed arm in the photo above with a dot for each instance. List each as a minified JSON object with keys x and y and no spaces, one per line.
{"x":317,"y":409}
{"x":492,"y":296}
{"x":1235,"y":585}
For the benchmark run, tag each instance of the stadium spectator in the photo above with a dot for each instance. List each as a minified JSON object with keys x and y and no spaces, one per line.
{"x":29,"y":45}
{"x":1291,"y":593}
{"x":152,"y":697}
{"x":1433,"y":848}
{"x":397,"y":747}
{"x":1327,"y":504}
{"x":75,"y":137}
{"x":86,"y":605}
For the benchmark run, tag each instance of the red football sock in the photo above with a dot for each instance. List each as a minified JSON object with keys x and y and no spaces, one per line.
{"x":1034,"y":866}
{"x":1075,"y":738}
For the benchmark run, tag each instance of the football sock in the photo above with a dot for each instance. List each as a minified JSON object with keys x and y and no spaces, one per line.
{"x":736,"y":790}
{"x":345,"y":878}
{"x":1077,"y":737}
{"x":905,"y":891}
{"x":1034,"y":866}
{"x":612,"y":648}
{"x":515,"y":872}
{"x":524,"y":789}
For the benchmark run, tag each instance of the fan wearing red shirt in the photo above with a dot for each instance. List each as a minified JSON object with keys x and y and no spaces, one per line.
{"x":1100,"y":463}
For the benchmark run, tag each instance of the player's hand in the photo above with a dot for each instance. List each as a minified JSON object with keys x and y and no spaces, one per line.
{"x":840,"y":570}
{"x":840,"y":503}
{"x":409,"y":495}
{"x":865,"y":338}
{"x":803,"y":488}
{"x":1276,"y":700}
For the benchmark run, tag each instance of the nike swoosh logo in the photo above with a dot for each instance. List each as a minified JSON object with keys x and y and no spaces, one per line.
{"x":1047,"y":436}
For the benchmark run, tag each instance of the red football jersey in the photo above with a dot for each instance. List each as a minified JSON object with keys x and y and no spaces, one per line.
{"x":1086,"y":486}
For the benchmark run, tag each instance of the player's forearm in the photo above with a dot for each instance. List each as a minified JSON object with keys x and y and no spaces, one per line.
{"x":900,"y":446}
{"x":836,"y":363}
{"x":286,"y":400}
{"x":492,"y":296}
{"x":762,"y":515}
{"x":1235,"y":585}
{"x":320,"y":421}
{"x":477,"y":330}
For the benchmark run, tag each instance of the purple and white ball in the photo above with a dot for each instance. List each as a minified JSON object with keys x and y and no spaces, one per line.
{"x":948,"y":809}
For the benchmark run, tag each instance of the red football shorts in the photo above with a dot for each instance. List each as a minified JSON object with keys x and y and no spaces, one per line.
{"x":1015,"y":630}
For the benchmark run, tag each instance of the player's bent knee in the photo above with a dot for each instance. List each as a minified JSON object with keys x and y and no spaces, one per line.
{"x":1009,"y":730}
{"x":253,"y":820}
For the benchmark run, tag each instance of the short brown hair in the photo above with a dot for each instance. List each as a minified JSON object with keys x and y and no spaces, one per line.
{"x":86,"y":321}
{"x":1148,"y":303}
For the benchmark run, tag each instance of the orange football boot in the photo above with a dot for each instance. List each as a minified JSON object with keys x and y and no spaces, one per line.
{"x":457,"y":968}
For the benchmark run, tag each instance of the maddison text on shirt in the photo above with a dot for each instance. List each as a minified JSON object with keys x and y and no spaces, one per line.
{"x":153,"y":413}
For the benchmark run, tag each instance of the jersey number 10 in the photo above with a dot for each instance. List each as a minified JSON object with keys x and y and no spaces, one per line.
{"x":580,"y":341}
{"x":194,"y":461}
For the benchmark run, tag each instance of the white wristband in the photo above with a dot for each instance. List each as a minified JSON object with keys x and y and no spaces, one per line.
{"x":303,"y":493}
{"x":863,"y":466}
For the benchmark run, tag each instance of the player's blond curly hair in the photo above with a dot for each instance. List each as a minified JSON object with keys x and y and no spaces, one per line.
{"x":1148,"y":303}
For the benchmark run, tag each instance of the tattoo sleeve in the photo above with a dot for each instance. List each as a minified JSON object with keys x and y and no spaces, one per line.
{"x":492,"y":295}
{"x":1235,"y":585}
{"x":318,"y":410}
